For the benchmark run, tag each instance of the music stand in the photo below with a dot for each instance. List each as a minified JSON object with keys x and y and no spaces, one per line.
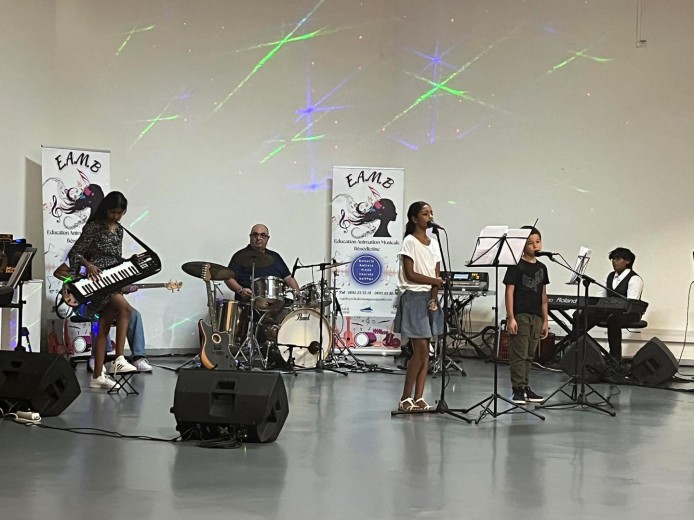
{"x":578,"y":395}
{"x":14,"y":282}
{"x":498,"y":246}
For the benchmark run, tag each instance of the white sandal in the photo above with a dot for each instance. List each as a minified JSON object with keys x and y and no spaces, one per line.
{"x":425,"y":407}
{"x":408,"y":405}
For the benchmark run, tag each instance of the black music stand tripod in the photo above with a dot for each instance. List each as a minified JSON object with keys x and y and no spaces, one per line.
{"x":495,"y":248}
{"x":578,"y":395}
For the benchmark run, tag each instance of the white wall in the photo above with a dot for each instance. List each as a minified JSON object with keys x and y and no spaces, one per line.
{"x":598,"y":149}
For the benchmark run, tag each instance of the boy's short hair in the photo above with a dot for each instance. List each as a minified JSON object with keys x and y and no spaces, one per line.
{"x":533,"y":231}
{"x":624,"y":254}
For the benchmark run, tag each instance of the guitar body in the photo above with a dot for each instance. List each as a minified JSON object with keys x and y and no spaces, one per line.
{"x":214,"y":348}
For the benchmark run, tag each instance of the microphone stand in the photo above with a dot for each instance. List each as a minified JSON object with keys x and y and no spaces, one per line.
{"x":578,"y":395}
{"x":441,"y":405}
{"x":320,"y":365}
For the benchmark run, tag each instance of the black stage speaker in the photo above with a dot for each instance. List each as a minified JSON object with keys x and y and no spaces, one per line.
{"x":46,"y":383}
{"x":253,"y":401}
{"x":595,"y":362}
{"x":653,"y":364}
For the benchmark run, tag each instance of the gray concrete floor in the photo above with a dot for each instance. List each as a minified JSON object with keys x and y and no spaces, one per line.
{"x":341,"y":455}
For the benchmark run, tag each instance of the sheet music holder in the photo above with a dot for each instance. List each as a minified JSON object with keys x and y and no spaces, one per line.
{"x":498,"y":246}
{"x":581,"y":265}
{"x":15,"y":281}
{"x":23,"y":262}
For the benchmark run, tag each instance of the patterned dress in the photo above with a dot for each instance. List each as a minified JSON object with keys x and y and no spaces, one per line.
{"x":103,"y":248}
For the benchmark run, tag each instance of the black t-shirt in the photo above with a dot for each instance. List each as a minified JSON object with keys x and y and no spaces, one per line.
{"x":529,"y":280}
{"x":243,"y":274}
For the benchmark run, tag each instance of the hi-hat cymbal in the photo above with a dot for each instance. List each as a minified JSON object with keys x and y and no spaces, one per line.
{"x":336,"y":264}
{"x":248,"y":257}
{"x":217,"y":272}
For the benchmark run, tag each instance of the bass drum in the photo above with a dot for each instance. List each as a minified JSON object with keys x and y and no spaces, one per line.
{"x":302,"y":328}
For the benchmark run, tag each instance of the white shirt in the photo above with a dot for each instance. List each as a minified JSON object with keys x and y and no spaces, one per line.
{"x":635,"y":285}
{"x":424,"y":259}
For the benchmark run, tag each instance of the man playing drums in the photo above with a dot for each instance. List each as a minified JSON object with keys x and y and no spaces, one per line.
{"x":269,"y":267}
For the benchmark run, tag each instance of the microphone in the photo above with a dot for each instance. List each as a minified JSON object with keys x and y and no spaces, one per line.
{"x":296,"y":264}
{"x":434,"y":225}
{"x":545,"y":253}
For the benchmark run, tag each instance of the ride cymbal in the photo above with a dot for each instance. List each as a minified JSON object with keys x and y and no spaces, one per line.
{"x":248,"y":257}
{"x":217,"y":272}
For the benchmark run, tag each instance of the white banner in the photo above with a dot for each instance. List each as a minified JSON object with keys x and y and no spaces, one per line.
{"x":367,"y":227}
{"x":74,"y":184}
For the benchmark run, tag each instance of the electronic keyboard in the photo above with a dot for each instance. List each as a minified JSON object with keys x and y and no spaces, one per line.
{"x":606,"y":303}
{"x":136,"y":268}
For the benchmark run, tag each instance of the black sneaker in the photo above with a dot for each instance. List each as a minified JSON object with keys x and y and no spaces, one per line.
{"x":518,"y":396}
{"x":532,"y":396}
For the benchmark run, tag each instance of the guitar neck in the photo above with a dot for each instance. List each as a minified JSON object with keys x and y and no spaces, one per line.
{"x":150,"y":285}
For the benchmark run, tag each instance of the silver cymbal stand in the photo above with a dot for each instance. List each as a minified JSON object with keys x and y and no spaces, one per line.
{"x":251,"y":343}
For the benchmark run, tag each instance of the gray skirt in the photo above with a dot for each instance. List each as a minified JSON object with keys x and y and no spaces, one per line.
{"x":413,"y":318}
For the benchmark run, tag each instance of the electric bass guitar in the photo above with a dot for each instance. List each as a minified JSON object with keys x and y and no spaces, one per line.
{"x":214,"y":344}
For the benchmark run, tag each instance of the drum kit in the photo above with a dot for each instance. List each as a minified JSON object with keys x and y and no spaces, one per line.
{"x":282,"y":328}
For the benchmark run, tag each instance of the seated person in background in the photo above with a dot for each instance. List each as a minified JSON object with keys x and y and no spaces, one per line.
{"x":241,"y":285}
{"x":135,"y":333}
{"x":624,"y":281}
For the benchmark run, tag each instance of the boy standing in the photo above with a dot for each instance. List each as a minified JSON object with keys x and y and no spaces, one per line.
{"x":526,"y":315}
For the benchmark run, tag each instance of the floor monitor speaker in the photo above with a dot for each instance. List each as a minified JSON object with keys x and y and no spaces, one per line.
{"x":253,"y":401}
{"x":653,"y":364}
{"x":45,"y":383}
{"x":572,"y":360}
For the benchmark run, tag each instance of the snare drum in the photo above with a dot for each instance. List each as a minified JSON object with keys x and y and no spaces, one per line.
{"x":269,"y":292}
{"x":302,"y":328}
{"x":315,"y":296}
{"x":232,"y":317}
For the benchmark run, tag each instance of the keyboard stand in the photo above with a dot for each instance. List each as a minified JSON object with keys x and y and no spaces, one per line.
{"x":123,"y":383}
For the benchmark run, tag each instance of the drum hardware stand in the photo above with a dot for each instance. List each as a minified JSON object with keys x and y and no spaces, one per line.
{"x":578,"y":396}
{"x":338,"y":343}
{"x":292,"y":365}
{"x":320,"y":365}
{"x":480,"y":257}
{"x":250,"y":342}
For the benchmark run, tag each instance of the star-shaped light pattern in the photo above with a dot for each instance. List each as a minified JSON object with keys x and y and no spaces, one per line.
{"x":442,"y":87}
{"x":307,"y":113}
{"x":575,"y":56}
{"x":435,"y":62}
{"x":135,"y":30}
{"x":275,"y":49}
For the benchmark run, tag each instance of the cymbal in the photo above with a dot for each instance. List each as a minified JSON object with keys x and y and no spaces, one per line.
{"x":217,"y":272}
{"x":248,"y":257}
{"x":336,"y":264}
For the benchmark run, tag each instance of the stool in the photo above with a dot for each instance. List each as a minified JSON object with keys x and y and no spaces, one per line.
{"x":123,"y":382}
{"x":641,"y":324}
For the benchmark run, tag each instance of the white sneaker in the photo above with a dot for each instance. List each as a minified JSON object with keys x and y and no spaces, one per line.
{"x":104,"y":382}
{"x":90,"y":365}
{"x":142,"y":365}
{"x":120,"y":365}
